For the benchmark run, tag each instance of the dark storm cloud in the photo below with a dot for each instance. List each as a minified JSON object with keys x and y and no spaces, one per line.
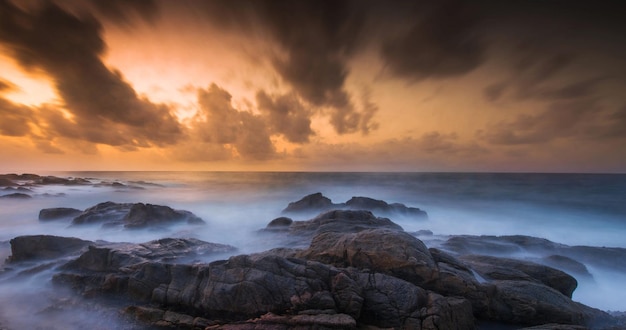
{"x":316,"y":38}
{"x":125,"y":12}
{"x":439,"y":39}
{"x":286,"y":115}
{"x":68,"y":48}
{"x":218,"y":122}
{"x":574,"y":119}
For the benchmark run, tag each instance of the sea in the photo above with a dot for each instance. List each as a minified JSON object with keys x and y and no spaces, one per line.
{"x":572,"y":209}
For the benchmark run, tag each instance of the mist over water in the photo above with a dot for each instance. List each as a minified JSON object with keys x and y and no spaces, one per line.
{"x":573,"y":209}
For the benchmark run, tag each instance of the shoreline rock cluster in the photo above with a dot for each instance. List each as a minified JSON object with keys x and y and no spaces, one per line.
{"x":21,"y":186}
{"x":344,"y":269}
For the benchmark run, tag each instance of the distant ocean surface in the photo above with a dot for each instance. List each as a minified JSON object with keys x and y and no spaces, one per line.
{"x":574,"y":209}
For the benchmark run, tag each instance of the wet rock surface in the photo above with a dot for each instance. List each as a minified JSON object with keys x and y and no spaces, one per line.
{"x":58,"y":213}
{"x":353,"y":270}
{"x":134,"y":215}
{"x":319,"y":203}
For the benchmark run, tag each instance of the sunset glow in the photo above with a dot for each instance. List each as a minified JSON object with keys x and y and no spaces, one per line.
{"x":313,"y":86}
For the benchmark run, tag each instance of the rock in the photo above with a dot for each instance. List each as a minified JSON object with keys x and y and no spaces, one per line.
{"x":280,"y":222}
{"x":495,"y":268}
{"x":525,"y":302}
{"x":134,"y":215}
{"x":387,"y":251}
{"x":5,"y":182}
{"x":611,"y":258}
{"x":555,"y":326}
{"x":566,"y":264}
{"x":25,"y":248}
{"x":376,"y":206}
{"x":313,"y":202}
{"x":319,"y":203}
{"x":341,"y":221}
{"x":58,"y":213}
{"x":16,"y":196}
{"x":142,"y":215}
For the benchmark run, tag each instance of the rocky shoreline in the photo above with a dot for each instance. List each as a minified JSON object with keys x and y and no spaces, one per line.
{"x":343,"y":269}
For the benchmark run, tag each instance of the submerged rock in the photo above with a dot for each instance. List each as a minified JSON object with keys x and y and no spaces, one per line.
{"x":16,"y":196}
{"x":134,"y":215}
{"x":58,"y":213}
{"x":37,"y":247}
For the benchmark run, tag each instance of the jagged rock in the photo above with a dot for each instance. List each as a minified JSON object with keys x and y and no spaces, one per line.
{"x":6,"y":182}
{"x":341,"y":221}
{"x":376,"y":206}
{"x":567,"y":264}
{"x":58,"y":213}
{"x":312,"y":202}
{"x":526,"y":302}
{"x":611,"y":258}
{"x":495,"y":268}
{"x":279,"y":224}
{"x":16,"y":196}
{"x":387,"y":251}
{"x":35,"y":247}
{"x":319,"y":203}
{"x":134,"y":215}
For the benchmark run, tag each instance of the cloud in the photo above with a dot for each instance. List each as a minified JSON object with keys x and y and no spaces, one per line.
{"x":6,"y":86}
{"x":576,"y":119}
{"x":218,"y":122}
{"x":315,"y":39}
{"x":438,"y":40}
{"x":15,"y":119}
{"x":286,"y":115}
{"x":68,"y":48}
{"x":125,"y":12}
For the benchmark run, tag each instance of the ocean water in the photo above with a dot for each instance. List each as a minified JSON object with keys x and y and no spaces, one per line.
{"x":573,"y":209}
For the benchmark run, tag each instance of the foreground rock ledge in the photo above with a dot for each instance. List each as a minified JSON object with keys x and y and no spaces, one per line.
{"x":359,"y":270}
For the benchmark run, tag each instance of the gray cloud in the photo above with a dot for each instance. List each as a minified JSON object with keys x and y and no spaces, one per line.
{"x":68,"y":48}
{"x":438,"y":40}
{"x":218,"y":122}
{"x":286,"y":115}
{"x":577,"y":119}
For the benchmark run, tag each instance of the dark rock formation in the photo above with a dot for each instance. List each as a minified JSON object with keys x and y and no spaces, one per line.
{"x":612,"y":258}
{"x":58,"y":213}
{"x":134,"y":215}
{"x":16,"y":196}
{"x":36,"y":247}
{"x":517,"y":270}
{"x":379,"y":206}
{"x":358,"y":271}
{"x":313,"y":202}
{"x":319,"y":203}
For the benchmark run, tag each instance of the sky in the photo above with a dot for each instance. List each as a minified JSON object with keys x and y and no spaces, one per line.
{"x":324,"y":85}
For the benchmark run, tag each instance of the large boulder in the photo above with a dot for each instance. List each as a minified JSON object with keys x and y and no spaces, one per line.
{"x":58,"y":213}
{"x":37,"y":247}
{"x":134,"y":215}
{"x":342,"y":221}
{"x":264,"y":290}
{"x":16,"y":196}
{"x":495,"y":268}
{"x":604,"y":257}
{"x":380,"y":206}
{"x":319,"y":203}
{"x":313,"y":202}
{"x":387,"y":251}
